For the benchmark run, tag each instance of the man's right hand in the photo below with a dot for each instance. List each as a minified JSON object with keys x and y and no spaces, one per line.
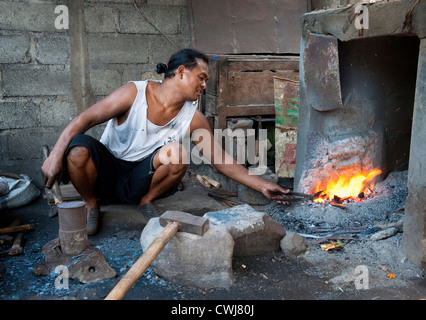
{"x":51,"y":170}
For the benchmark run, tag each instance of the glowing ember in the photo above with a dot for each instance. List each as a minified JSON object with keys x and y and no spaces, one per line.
{"x":347,"y":187}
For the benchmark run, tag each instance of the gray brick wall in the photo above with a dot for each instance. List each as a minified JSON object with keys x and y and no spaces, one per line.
{"x":36,"y":70}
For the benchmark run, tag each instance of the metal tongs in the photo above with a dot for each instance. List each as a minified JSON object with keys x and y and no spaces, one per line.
{"x":297,"y":196}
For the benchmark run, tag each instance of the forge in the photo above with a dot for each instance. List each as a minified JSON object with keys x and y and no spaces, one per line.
{"x":363,"y":101}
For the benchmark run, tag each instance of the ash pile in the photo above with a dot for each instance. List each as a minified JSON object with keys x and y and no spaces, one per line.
{"x":364,"y":233}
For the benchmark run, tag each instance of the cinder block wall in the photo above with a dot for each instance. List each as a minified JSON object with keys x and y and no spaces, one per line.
{"x":49,"y":75}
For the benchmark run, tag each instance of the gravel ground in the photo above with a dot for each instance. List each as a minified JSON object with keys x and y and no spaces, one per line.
{"x":314,"y":275}
{"x":358,"y":222}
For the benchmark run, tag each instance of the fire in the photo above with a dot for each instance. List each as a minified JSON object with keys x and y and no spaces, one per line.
{"x":345,"y":187}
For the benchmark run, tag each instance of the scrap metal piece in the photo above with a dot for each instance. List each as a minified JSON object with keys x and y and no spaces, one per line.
{"x":322,"y":72}
{"x":72,"y":249}
{"x":296,"y":196}
{"x":88,"y":266}
{"x":188,"y":222}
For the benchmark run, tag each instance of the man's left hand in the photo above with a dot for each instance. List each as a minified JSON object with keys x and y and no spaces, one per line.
{"x":271,"y":190}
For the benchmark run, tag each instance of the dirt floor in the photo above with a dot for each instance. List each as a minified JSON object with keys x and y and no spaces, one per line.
{"x":314,"y":275}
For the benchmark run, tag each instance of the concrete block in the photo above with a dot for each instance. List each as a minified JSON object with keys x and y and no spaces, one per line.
{"x":254,"y":232}
{"x":100,"y":19}
{"x":120,"y":48}
{"x":182,"y":3}
{"x":25,"y":144}
{"x":15,"y":48}
{"x":161,"y":49}
{"x":104,"y":81}
{"x":53,"y":49}
{"x":114,"y":1}
{"x":188,"y":259}
{"x":28,"y":16}
{"x":166,"y":18}
{"x":17,"y":115}
{"x":22,"y":80}
{"x":55,"y":113}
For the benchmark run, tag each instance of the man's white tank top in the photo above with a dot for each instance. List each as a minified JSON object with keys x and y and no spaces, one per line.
{"x":136,"y":138}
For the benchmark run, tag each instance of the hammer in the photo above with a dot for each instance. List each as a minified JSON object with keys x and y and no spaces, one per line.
{"x":56,"y":190}
{"x":172,"y":221}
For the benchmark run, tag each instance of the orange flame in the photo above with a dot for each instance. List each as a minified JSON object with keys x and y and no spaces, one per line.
{"x":347,"y":187}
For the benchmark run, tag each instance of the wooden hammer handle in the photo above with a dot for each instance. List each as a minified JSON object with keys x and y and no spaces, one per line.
{"x":56,"y":190}
{"x":20,"y":228}
{"x":139,"y":267}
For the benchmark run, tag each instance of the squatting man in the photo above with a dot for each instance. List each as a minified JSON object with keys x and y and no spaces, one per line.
{"x":140,"y":156}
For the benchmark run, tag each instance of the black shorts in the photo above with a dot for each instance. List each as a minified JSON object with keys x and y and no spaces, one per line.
{"x":117,"y":179}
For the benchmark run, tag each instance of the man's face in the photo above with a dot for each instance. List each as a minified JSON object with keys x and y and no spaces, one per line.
{"x":195,"y":80}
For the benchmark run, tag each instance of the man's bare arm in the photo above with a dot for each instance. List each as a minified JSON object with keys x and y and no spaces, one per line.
{"x":115,"y":104}
{"x":227,"y":164}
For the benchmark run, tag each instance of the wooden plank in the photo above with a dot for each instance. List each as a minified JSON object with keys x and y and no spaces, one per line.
{"x":251,"y":110}
{"x":222,"y":90}
{"x":263,"y":65}
{"x":254,"y":87}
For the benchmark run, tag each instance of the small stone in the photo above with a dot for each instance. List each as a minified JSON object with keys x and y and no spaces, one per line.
{"x":292,"y":245}
{"x":383,"y":234}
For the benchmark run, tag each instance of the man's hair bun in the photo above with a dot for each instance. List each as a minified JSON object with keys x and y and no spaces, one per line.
{"x":161,"y":68}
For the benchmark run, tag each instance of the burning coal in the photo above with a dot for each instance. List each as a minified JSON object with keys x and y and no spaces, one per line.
{"x":346,"y":187}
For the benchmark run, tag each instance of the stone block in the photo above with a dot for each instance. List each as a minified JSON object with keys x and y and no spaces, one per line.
{"x":104,"y":81}
{"x":100,"y":19}
{"x":162,"y":49}
{"x":53,"y":49}
{"x":254,"y":232}
{"x":22,"y":80}
{"x":182,"y":3}
{"x":24,"y":144}
{"x":188,"y":259}
{"x":18,"y":115}
{"x":15,"y":49}
{"x":119,"y":48}
{"x":30,"y":16}
{"x":292,"y":245}
{"x":55,"y":112}
{"x":166,"y":18}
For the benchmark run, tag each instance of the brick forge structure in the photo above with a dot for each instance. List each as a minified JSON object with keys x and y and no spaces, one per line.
{"x":363,"y":102}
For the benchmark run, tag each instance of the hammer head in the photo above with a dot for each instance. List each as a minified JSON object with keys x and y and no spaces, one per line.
{"x":188,"y":222}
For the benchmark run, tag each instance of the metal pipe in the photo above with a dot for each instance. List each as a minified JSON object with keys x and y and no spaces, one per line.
{"x":72,"y":227}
